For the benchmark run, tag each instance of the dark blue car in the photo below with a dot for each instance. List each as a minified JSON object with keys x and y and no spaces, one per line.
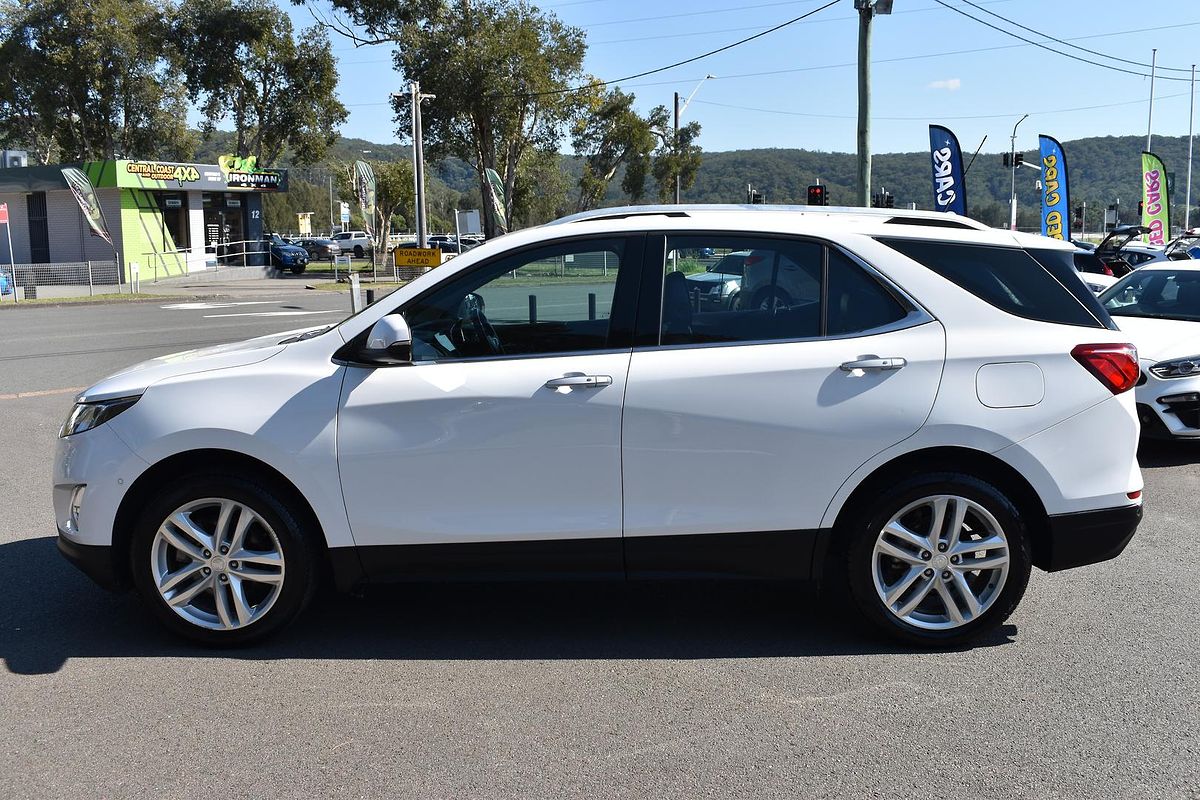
{"x":287,"y":256}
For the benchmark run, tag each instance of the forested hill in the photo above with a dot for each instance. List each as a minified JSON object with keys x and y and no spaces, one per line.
{"x":1102,"y":169}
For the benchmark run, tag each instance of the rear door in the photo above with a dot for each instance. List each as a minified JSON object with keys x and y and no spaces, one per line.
{"x":741,"y":424}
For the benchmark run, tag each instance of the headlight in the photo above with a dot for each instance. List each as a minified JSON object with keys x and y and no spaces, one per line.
{"x":730,"y":287}
{"x":1177,"y":367}
{"x":85,"y":416}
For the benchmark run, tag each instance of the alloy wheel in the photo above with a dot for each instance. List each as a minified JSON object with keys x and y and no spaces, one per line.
{"x":217,"y":564}
{"x":940,"y":562}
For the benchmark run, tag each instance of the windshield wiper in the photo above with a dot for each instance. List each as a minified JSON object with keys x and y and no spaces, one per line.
{"x":300,"y":337}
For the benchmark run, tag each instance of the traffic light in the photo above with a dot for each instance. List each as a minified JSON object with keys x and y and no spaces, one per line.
{"x":756,"y":196}
{"x":889,"y":200}
{"x":1078,"y":217}
{"x":817,"y":195}
{"x":1141,"y":203}
{"x":1007,"y":160}
{"x":1020,"y":159}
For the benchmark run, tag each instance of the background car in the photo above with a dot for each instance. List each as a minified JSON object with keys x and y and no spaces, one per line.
{"x":1158,"y":306}
{"x":356,"y":242}
{"x":286,"y":256}
{"x":719,"y":286}
{"x":323,"y":249}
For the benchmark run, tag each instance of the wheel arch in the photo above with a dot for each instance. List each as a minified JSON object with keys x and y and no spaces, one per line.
{"x":179,"y":464}
{"x":976,"y":463}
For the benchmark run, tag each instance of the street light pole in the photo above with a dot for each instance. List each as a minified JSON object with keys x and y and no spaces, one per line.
{"x":1012,"y":200}
{"x":675,"y":140}
{"x":1187,"y":208}
{"x":415,"y":98}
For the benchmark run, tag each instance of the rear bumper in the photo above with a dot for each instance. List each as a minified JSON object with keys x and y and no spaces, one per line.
{"x":95,"y":561}
{"x":1088,"y":537}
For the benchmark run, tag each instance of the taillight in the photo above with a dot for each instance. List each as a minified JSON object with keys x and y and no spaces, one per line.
{"x":1114,"y":365}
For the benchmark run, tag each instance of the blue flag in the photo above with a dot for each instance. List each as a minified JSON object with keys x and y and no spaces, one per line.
{"x":1056,"y":205}
{"x":949,"y":179}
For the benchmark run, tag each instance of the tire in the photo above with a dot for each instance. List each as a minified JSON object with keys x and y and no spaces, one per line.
{"x":298,"y":269}
{"x":771,"y":299}
{"x":272,"y":598}
{"x":991,"y":520}
{"x":358,"y":251}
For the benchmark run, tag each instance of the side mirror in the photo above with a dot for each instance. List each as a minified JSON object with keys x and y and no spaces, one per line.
{"x":389,"y":343}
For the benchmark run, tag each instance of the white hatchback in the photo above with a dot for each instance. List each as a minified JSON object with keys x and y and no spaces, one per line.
{"x":918,"y":425}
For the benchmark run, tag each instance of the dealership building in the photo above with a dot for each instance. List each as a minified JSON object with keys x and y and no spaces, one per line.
{"x":169,"y":218}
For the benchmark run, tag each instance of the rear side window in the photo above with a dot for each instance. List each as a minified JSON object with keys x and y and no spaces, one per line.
{"x":1008,"y":278}
{"x":1063,"y":265}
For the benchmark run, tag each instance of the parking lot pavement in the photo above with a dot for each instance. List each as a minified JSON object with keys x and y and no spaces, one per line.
{"x":592,"y":690}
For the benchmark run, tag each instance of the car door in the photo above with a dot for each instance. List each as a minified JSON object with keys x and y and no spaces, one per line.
{"x":498,"y":448}
{"x":741,"y":424}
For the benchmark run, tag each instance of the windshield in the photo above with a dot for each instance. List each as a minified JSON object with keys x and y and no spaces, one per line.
{"x":276,"y":239}
{"x":1161,"y":294}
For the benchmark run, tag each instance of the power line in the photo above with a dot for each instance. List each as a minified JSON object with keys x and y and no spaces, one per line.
{"x":1050,"y":49}
{"x":926,"y":117}
{"x":1066,"y":42}
{"x":759,"y":35}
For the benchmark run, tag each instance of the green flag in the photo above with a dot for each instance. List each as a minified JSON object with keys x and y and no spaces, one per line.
{"x":1156,"y":202}
{"x":497,"y":187}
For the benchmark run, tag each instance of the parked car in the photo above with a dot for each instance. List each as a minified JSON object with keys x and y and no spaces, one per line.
{"x":1112,"y":250}
{"x":922,"y":427}
{"x":286,"y":256}
{"x":719,"y":286}
{"x":4,"y":285}
{"x":323,"y":249}
{"x":356,"y":242}
{"x":1095,"y":273}
{"x":1158,"y":306}
{"x":443,"y":245}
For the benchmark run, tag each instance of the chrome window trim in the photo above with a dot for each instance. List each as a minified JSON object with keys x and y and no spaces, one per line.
{"x":915,"y":319}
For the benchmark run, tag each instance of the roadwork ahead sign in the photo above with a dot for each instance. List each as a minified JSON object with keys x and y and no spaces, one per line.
{"x":417,"y":257}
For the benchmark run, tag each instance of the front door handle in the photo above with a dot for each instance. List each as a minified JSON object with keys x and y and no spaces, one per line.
{"x":873,"y":364}
{"x":582,"y":381}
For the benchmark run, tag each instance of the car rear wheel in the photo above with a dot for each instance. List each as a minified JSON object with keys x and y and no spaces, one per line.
{"x":939,"y":560}
{"x":358,"y":251}
{"x":223,"y":560}
{"x":298,"y":269}
{"x":772,"y":299}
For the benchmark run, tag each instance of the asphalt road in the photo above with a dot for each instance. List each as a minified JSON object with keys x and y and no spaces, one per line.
{"x":655,"y":691}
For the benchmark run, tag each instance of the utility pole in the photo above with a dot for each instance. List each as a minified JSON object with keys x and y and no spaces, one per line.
{"x":867,"y":9}
{"x":675,"y":148}
{"x":331,"y":222}
{"x":1012,"y":200}
{"x":1187,"y":208}
{"x":419,"y":162}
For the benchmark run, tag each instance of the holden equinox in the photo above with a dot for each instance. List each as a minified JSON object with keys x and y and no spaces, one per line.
{"x":926,"y":409}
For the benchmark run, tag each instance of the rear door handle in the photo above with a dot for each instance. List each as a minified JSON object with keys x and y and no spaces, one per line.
{"x":582,"y":381}
{"x":873,"y":364}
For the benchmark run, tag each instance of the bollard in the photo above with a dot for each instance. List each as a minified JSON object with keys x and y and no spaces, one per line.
{"x":355,"y":299}
{"x":91,"y":288}
{"x":370,"y":296}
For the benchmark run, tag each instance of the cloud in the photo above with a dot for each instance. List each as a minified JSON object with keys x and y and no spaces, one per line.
{"x":950,"y":84}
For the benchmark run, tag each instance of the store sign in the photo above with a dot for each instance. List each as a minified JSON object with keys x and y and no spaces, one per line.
{"x":230,"y":174}
{"x":173,"y":202}
{"x":233,"y":202}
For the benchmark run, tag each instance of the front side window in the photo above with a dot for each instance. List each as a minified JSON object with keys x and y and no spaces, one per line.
{"x":554,"y":299}
{"x":721,"y":288}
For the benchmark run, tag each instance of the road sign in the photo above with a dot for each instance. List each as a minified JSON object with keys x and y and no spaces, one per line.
{"x":3,"y":213}
{"x":417,"y":257}
{"x":345,"y":211}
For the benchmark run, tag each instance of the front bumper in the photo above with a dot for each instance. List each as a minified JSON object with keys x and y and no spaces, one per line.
{"x":1165,"y":408}
{"x":93,"y":560}
{"x":1087,"y":537}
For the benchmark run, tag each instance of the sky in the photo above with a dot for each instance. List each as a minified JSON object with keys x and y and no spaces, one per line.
{"x":797,"y":87}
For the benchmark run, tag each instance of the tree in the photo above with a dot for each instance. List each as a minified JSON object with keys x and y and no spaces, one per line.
{"x":609,"y":136}
{"x":501,"y":71}
{"x":677,"y":154}
{"x":394,"y":195}
{"x":88,"y":81}
{"x":244,"y":65}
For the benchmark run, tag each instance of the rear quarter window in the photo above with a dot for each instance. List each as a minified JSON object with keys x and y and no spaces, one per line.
{"x":1010,"y":279}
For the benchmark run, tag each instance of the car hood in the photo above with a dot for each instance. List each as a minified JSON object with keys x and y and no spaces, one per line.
{"x":136,"y":379}
{"x":1161,"y":339}
{"x":713,"y":277}
{"x":290,"y":249}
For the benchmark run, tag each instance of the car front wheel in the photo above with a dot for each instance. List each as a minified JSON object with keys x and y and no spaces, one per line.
{"x":223,"y":560}
{"x":939,"y":560}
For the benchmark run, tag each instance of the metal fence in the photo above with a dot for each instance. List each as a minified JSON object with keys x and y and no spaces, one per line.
{"x":65,"y":279}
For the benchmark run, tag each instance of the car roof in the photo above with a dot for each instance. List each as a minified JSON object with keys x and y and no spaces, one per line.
{"x":1183,"y":265}
{"x":811,"y":220}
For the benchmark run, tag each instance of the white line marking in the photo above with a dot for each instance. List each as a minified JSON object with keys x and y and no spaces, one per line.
{"x":207,"y":306}
{"x":273,"y":314}
{"x":41,"y":393}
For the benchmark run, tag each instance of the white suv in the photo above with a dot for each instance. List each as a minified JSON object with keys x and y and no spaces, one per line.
{"x":921,"y":428}
{"x":356,"y":242}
